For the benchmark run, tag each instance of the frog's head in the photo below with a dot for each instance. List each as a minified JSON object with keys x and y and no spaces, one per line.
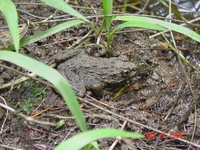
{"x":120,"y":72}
{"x":128,"y":72}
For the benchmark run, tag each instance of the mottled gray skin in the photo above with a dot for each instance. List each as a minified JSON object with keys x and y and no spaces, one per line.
{"x":85,"y":72}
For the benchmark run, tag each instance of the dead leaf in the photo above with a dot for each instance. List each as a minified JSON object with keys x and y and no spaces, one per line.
{"x":6,"y":39}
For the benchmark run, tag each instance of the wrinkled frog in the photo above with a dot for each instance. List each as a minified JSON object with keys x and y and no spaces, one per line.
{"x":85,"y":72}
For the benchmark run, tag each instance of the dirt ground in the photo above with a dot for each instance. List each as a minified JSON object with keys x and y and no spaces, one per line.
{"x":164,"y":94}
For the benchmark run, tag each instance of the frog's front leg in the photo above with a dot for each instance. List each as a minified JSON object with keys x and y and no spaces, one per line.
{"x":98,"y":88}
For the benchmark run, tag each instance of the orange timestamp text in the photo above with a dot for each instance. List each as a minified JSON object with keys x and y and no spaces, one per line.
{"x":151,"y":135}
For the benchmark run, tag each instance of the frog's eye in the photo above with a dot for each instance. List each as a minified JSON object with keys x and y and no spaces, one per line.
{"x":126,"y":72}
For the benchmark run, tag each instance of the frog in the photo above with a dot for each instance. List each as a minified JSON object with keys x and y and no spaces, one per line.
{"x":85,"y":72}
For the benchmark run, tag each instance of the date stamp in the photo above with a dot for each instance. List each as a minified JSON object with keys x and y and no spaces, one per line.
{"x":151,"y":135}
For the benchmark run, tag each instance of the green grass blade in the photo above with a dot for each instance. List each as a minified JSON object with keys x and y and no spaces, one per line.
{"x":107,"y":7}
{"x":161,"y":23}
{"x":46,"y":33}
{"x":107,"y":10}
{"x":9,"y":11}
{"x":79,"y":141}
{"x":51,"y":75}
{"x":140,"y":24}
{"x":61,"y":5}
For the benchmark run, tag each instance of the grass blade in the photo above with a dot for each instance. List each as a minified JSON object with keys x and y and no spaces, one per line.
{"x":92,"y":135}
{"x":140,"y":24}
{"x":107,"y":10}
{"x":9,"y":11}
{"x":61,"y":5}
{"x":46,"y":33}
{"x":51,"y":75}
{"x":161,"y":23}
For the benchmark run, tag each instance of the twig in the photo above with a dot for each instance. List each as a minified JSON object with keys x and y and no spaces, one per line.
{"x":10,"y":147}
{"x":137,"y":123}
{"x":27,"y":118}
{"x":22,"y":11}
{"x":118,"y":139}
{"x":2,"y":126}
{"x":80,"y":40}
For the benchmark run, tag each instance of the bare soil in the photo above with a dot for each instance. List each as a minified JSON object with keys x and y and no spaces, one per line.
{"x":164,"y":94}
